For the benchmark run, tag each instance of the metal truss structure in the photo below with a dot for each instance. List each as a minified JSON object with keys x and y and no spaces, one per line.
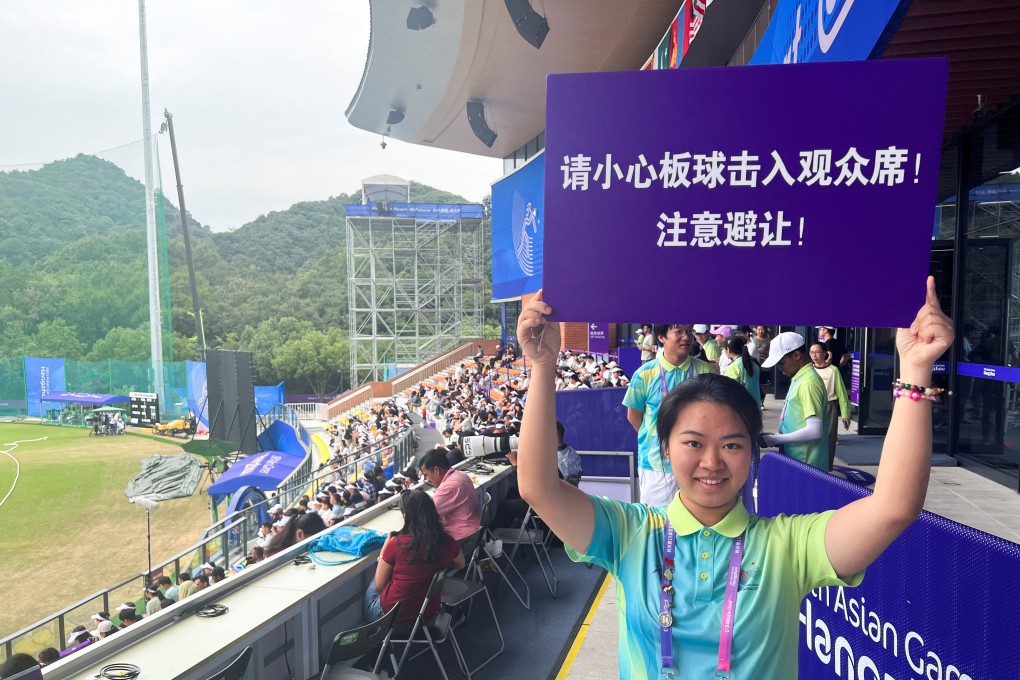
{"x":414,"y":288}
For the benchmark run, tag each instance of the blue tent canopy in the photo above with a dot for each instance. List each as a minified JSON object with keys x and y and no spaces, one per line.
{"x":264,"y":471}
{"x":85,"y":398}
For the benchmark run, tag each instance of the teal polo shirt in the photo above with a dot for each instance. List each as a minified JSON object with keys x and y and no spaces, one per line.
{"x":784,"y":558}
{"x":645,"y":394}
{"x":806,"y":398}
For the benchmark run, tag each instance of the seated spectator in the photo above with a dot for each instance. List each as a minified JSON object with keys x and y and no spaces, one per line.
{"x":126,"y":613}
{"x":48,"y":656}
{"x":187,"y":587}
{"x":170,"y":591}
{"x":217,"y":575}
{"x":201,"y":581}
{"x":78,"y":638}
{"x":265,"y":533}
{"x":17,"y":663}
{"x":297,"y":530}
{"x":153,"y":602}
{"x":258,"y":553}
{"x":409,"y":559}
{"x":100,"y":616}
{"x":455,"y":497}
{"x":104,"y":630}
{"x":367,"y":487}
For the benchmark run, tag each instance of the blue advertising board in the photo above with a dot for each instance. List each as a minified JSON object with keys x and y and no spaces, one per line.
{"x":42,"y":376}
{"x":437,"y":212}
{"x":797,"y":170}
{"x":939,"y":603}
{"x":518,"y":220}
{"x":828,"y":30}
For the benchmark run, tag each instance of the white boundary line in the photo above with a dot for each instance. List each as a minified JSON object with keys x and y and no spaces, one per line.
{"x":17,"y":465}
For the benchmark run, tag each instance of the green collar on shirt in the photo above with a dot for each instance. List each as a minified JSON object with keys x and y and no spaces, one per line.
{"x":803,"y":370}
{"x":685,"y":524}
{"x":669,"y":367}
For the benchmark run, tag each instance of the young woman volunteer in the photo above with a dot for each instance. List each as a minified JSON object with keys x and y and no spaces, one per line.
{"x":742,"y":368}
{"x":704,"y":589}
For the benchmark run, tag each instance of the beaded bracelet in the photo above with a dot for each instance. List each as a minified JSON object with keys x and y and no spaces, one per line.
{"x":917,"y":392}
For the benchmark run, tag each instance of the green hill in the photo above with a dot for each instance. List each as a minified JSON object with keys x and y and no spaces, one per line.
{"x":73,"y":277}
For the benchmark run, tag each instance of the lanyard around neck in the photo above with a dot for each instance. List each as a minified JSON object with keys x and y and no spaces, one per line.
{"x":662,"y":379}
{"x":729,"y":606}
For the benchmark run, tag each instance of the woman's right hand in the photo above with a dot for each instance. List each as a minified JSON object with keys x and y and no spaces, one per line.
{"x":538,"y":337}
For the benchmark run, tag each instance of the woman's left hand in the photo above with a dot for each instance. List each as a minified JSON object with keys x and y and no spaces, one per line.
{"x":929,"y":336}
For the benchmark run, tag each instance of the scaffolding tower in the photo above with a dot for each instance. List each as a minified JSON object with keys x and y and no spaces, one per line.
{"x":414,"y":283}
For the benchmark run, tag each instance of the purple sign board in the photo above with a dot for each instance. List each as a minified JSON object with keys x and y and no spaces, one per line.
{"x":785,"y":174}
{"x":598,"y":338}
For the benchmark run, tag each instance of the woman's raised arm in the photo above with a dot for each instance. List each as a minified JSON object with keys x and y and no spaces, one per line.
{"x":565,"y":508}
{"x":858,"y":533}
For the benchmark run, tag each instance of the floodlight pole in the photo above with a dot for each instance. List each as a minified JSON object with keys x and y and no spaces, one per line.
{"x":155,"y":314}
{"x":199,"y":329}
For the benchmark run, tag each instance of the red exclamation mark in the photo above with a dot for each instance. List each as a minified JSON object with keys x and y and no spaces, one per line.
{"x":917,"y":167}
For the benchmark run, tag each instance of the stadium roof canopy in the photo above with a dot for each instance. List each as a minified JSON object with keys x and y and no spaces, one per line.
{"x":417,"y":83}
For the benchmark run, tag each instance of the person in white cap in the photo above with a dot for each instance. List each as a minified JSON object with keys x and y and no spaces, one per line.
{"x":710,"y":350}
{"x":802,"y":424}
{"x":649,"y":386}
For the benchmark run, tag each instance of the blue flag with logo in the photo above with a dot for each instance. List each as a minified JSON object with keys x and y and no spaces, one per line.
{"x":518,"y":219}
{"x":42,"y":376}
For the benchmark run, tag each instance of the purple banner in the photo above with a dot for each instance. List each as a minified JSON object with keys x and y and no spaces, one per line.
{"x":911,"y":617}
{"x":787,"y":171}
{"x":598,"y":338}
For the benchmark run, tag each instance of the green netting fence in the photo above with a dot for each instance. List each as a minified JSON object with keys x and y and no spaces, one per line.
{"x":101,"y":377}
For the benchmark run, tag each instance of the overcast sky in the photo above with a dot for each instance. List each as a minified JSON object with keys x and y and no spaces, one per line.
{"x":257,"y":88}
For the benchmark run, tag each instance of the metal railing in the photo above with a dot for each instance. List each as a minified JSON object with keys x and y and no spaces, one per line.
{"x":413,"y":377}
{"x":310,"y":411}
{"x":350,"y":401}
{"x":225,"y":543}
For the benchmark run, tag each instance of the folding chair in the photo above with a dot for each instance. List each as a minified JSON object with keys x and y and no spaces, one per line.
{"x":531,"y":534}
{"x":237,"y":667}
{"x":458,"y":591}
{"x":493,"y":550}
{"x":351,"y":644}
{"x":435,"y":633}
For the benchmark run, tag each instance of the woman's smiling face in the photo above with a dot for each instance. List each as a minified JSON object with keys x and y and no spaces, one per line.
{"x":709,"y":451}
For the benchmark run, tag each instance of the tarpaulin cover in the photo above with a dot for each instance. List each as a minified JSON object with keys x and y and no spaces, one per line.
{"x":86,"y":398}
{"x":939,"y":603}
{"x":165,"y":477}
{"x":264,"y":471}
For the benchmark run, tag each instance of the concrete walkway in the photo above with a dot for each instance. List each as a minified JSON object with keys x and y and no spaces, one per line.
{"x":953,"y":492}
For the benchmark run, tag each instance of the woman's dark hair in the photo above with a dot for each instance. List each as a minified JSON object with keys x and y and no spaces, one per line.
{"x":17,"y":663}
{"x":309,"y":523}
{"x":49,"y":655}
{"x":422,"y":524}
{"x":711,"y":388}
{"x":738,"y":346}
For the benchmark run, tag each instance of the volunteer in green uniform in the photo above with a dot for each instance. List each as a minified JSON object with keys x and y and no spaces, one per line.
{"x":802,"y":424}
